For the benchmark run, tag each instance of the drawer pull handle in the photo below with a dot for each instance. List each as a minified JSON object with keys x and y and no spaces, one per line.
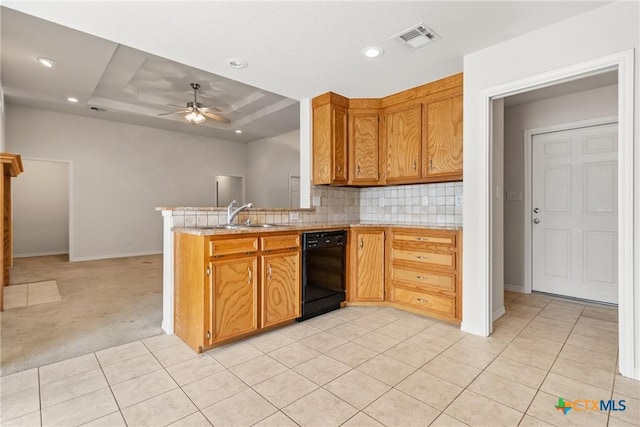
{"x":250,"y":275}
{"x":269,"y":271}
{"x":422,"y":277}
{"x":421,"y":299}
{"x":361,"y":243}
{"x":422,"y":239}
{"x":422,"y":257}
{"x":358,"y":170}
{"x":415,"y":165}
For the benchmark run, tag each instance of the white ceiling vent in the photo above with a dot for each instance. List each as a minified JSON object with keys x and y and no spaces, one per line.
{"x":416,"y":36}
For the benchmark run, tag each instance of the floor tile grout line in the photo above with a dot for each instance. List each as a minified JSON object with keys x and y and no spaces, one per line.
{"x":110,"y":390}
{"x":485,"y":368}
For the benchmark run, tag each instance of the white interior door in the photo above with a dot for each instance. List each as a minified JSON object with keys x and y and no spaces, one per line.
{"x":575,"y":213}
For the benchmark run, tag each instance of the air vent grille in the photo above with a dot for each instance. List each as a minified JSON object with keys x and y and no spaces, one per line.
{"x":416,"y":36}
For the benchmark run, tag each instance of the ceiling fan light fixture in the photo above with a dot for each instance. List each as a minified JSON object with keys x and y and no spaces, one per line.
{"x":46,"y":62}
{"x":195,"y":117}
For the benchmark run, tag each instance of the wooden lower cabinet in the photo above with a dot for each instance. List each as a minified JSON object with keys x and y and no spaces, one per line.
{"x":228,"y":287}
{"x":234,"y":284}
{"x":425,"y":271}
{"x":280,"y":288}
{"x":367,"y":264}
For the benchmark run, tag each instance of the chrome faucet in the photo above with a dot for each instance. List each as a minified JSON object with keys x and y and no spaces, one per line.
{"x":231,"y":213}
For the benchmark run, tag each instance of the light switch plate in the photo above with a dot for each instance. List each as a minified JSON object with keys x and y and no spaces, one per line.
{"x":316,"y":200}
{"x":293,"y":216}
{"x":381,"y":202}
{"x":514,"y":195}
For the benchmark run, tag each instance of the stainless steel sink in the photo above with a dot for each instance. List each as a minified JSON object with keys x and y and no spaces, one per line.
{"x":258,"y":225}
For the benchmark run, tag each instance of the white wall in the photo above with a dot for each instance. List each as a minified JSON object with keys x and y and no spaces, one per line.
{"x":121,"y":173}
{"x":269,"y":163}
{"x":590,"y":104}
{"x":41,"y":209}
{"x":556,"y":46}
{"x":2,"y":120}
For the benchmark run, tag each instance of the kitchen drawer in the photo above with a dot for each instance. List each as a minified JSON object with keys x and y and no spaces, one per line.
{"x":425,"y":301}
{"x":437,"y":239}
{"x":436,"y":280}
{"x":440,"y":259}
{"x":274,"y":243}
{"x":230,"y":246}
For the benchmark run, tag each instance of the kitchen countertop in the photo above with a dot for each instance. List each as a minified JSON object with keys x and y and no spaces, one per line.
{"x":202,"y":231}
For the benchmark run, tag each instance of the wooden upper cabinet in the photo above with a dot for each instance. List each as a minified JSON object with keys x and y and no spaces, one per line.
{"x":363,"y":147}
{"x":442,"y":155}
{"x":403,"y":142}
{"x":330,"y":139}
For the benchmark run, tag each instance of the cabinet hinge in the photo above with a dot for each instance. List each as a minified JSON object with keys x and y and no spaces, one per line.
{"x":208,"y":271}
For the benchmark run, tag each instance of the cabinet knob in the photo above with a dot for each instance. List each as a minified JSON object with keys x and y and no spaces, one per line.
{"x":338,"y":168}
{"x":361,"y":243}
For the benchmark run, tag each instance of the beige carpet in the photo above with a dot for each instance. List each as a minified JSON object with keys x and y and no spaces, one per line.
{"x":104,"y":303}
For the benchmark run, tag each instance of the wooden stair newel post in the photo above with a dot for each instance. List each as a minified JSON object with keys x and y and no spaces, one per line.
{"x":12,"y":167}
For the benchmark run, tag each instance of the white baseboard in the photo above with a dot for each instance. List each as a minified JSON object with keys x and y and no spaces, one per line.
{"x":472,"y":329}
{"x":40,"y":254}
{"x":123,"y":255}
{"x":499,"y":313}
{"x":514,"y":288}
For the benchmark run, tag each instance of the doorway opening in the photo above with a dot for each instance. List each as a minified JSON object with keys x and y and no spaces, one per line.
{"x":41,"y":209}
{"x":622,"y":64}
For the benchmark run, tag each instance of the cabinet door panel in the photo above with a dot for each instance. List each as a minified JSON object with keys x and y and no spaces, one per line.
{"x":403,"y":141}
{"x":339,"y":122}
{"x":235,"y":297}
{"x":322,"y":145}
{"x":369,"y":280}
{"x":363,"y":140}
{"x":444,"y":137}
{"x":280,"y":288}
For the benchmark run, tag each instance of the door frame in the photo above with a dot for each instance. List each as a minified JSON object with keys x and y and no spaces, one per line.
{"x":528,"y":191}
{"x":623,"y":62}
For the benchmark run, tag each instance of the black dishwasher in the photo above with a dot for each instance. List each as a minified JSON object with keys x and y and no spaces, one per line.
{"x":323,"y":271}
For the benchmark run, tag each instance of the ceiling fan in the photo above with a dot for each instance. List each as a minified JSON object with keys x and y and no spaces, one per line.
{"x":195,"y":113}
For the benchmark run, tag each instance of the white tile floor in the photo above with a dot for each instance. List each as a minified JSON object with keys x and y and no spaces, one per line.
{"x":359,"y":366}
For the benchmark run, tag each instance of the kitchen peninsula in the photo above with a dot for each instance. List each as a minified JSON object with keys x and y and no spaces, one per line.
{"x":411,"y":266}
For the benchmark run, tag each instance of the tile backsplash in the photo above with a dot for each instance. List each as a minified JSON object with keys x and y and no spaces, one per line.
{"x":413,"y":204}
{"x":422,"y":204}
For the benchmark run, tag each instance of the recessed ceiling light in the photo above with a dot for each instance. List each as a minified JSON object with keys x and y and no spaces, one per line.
{"x":238,"y":131}
{"x":236,"y":63}
{"x":372,"y":51}
{"x":46,"y":62}
{"x":72,"y":99}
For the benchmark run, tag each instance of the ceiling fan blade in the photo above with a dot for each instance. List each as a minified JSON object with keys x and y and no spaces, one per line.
{"x":174,"y":112}
{"x":216,"y":109}
{"x":177,"y":106}
{"x":216,"y":117}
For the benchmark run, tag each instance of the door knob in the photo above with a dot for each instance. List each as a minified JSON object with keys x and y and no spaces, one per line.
{"x":536,"y":210}
{"x":536,"y":221}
